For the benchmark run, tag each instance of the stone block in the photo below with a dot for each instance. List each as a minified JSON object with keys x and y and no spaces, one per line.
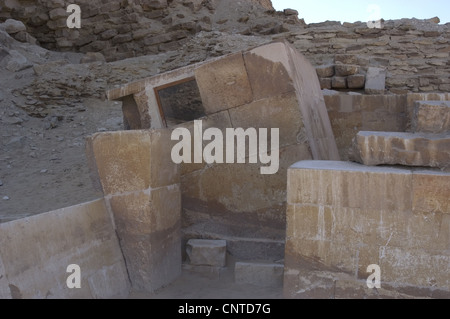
{"x":431,"y":191}
{"x":356,"y":81}
{"x":325,"y":71}
{"x":346,"y":59}
{"x":312,"y":105}
{"x":375,"y":81}
{"x":12,"y":26}
{"x":280,"y":112}
{"x":393,"y":148}
{"x":325,"y":83}
{"x":58,"y":13}
{"x":153,"y":261}
{"x":219,"y":120}
{"x":268,"y":71}
{"x":133,"y":160}
{"x":431,"y":117}
{"x":310,"y":222}
{"x":147,"y":212}
{"x":343,"y":184}
{"x":383,"y":121}
{"x":259,"y":273}
{"x":347,"y":227}
{"x":339,"y":82}
{"x":224,"y":84}
{"x":109,"y":282}
{"x":203,"y":252}
{"x":36,"y":251}
{"x":416,"y":267}
{"x":345,"y":127}
{"x":242,"y":188}
{"x":346,"y":69}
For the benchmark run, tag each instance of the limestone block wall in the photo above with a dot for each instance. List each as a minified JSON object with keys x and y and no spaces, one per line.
{"x":351,"y":113}
{"x":269,"y":87}
{"x":256,"y":89}
{"x":127,"y":28}
{"x":343,"y":217}
{"x":36,"y":251}
{"x":141,"y":185}
{"x":414,"y":53}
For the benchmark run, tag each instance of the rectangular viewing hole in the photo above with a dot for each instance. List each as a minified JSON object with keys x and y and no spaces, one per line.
{"x":180,"y":102}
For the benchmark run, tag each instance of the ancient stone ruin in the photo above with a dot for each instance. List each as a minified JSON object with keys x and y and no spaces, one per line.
{"x":358,"y":119}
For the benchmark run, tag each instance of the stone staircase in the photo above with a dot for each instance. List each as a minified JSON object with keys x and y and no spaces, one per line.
{"x":211,"y":258}
{"x":426,"y":145}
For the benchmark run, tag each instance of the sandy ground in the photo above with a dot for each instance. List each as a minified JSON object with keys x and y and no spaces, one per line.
{"x":44,"y":169}
{"x":193,"y":285}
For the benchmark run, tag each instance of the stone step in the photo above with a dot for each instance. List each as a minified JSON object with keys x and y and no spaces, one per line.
{"x":242,"y":248}
{"x":262,"y":274}
{"x":431,"y":117}
{"x":204,"y":252}
{"x":409,"y":149}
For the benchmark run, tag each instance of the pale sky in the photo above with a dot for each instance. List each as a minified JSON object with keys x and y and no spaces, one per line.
{"x":366,"y":10}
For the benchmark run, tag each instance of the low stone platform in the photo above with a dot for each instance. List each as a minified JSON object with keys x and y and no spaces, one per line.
{"x":343,"y":217}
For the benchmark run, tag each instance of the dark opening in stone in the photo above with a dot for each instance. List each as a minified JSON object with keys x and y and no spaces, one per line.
{"x":180,"y":102}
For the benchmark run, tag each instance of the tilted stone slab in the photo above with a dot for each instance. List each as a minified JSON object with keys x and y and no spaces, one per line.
{"x":431,"y":117}
{"x":267,"y":87}
{"x":410,"y":149}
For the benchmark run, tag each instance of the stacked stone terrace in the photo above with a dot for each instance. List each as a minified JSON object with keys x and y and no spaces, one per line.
{"x":427,"y":145}
{"x":414,"y":53}
{"x":391,"y":211}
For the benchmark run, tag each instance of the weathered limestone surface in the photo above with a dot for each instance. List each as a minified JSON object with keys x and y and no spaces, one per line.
{"x":352,"y":113}
{"x":142,"y":188}
{"x":413,"y":98}
{"x":343,"y":217}
{"x":431,"y":117}
{"x":259,"y":274}
{"x":394,"y":148}
{"x":356,"y":81}
{"x":203,"y":252}
{"x":268,"y":87}
{"x":375,"y":80}
{"x":216,"y":81}
{"x":35,"y":253}
{"x":346,"y":69}
{"x":133,"y":160}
